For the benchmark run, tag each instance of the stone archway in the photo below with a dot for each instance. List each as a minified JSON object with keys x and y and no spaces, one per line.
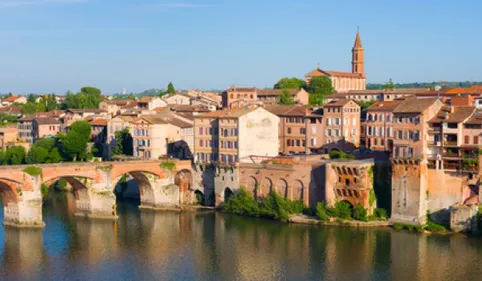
{"x":297,"y":190}
{"x":252,"y":186}
{"x":21,"y":207}
{"x":266,"y":186}
{"x":145,"y":184}
{"x":282,"y":188}
{"x":227,"y":194}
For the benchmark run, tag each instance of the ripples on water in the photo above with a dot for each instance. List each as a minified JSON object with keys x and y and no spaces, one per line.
{"x":213,"y":246}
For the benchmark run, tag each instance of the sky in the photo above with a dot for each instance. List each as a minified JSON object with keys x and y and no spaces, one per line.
{"x":59,"y":45}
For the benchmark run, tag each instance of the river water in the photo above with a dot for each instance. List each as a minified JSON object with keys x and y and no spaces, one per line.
{"x":215,"y":246}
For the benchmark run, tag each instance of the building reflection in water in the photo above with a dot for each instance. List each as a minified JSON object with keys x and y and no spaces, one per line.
{"x":204,"y":246}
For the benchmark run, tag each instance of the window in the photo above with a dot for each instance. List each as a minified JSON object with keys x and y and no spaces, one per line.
{"x":200,"y":131}
{"x":200,"y":143}
{"x":467,"y":140}
{"x":297,"y":142}
{"x":476,"y":139}
{"x":302,"y":131}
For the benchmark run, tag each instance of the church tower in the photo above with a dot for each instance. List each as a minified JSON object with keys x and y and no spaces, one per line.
{"x":358,"y":56}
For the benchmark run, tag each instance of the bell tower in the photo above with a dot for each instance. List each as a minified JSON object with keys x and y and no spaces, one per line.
{"x":358,"y":56}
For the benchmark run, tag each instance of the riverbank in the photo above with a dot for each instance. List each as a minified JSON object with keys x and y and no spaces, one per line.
{"x":304,"y":219}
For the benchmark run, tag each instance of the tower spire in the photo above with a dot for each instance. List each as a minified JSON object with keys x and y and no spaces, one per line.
{"x":358,"y":43}
{"x":357,"y":60}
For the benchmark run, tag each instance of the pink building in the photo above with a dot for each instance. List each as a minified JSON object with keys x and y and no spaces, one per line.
{"x":45,"y":126}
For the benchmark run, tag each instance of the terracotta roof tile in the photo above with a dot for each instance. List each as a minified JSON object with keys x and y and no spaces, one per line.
{"x":230,"y":113}
{"x":276,"y":92}
{"x":99,"y":122}
{"x":383,"y":106}
{"x":288,"y":110}
{"x":47,"y":121}
{"x":414,"y":105}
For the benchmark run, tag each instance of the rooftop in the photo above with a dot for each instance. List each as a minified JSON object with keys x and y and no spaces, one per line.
{"x":414,"y":105}
{"x":47,"y":121}
{"x":229,"y":113}
{"x":383,"y":106}
{"x":288,"y":110}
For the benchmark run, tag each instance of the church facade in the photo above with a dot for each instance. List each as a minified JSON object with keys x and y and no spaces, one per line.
{"x":346,"y":81}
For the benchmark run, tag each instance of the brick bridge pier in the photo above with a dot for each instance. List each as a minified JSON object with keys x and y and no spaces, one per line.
{"x":161,"y":184}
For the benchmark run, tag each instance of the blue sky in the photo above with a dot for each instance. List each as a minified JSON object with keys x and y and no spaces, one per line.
{"x":56,"y":45}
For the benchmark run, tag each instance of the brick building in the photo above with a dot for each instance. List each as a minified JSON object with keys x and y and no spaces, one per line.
{"x":300,"y":130}
{"x":230,"y":136}
{"x":341,"y":125}
{"x":378,"y":129}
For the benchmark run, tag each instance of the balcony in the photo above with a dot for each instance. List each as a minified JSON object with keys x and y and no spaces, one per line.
{"x":434,"y":143}
{"x":453,"y":155}
{"x":434,"y":130}
{"x":141,"y":147}
{"x":450,"y":143}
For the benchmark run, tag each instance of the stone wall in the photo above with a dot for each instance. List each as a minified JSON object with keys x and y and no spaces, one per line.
{"x":409,"y":186}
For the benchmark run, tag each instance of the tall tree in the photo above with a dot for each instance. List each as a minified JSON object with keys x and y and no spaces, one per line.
{"x":286,"y":98}
{"x":49,"y":102}
{"x":29,"y":108}
{"x":319,"y":87}
{"x":290,"y":83}
{"x":389,"y":85}
{"x":36,"y":155}
{"x":170,"y":88}
{"x":15,"y":155}
{"x":74,"y":144}
{"x":31,"y":98}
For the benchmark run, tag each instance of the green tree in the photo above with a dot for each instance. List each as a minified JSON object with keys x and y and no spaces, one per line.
{"x":319,"y":87}
{"x":170,"y":88}
{"x":91,"y":97}
{"x":29,"y":108}
{"x":2,"y":157}
{"x":389,"y":85}
{"x":83,"y":128}
{"x":286,"y":98}
{"x":15,"y":155}
{"x":124,"y":143}
{"x":49,"y":102}
{"x":37,"y":155}
{"x":290,"y":83}
{"x":74,"y":144}
{"x":31,"y":98}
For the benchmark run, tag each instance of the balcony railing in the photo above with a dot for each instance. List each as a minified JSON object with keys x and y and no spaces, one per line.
{"x":450,"y":143}
{"x":451,"y":155}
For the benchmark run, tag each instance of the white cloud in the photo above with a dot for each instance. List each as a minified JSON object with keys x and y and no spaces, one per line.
{"x":27,"y":3}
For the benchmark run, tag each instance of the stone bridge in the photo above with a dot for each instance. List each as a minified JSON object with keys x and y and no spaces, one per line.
{"x":162,"y":183}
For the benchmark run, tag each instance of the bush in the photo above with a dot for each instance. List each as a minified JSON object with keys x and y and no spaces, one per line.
{"x":242,"y":204}
{"x":341,"y":155}
{"x":321,"y":211}
{"x":342,"y":210}
{"x":380,"y":213}
{"x":272,"y":206}
{"x":360,"y":213}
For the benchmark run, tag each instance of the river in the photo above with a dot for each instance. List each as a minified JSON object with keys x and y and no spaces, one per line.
{"x":214,"y":246}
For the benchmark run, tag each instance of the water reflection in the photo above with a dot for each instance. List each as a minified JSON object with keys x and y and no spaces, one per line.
{"x":212,"y":246}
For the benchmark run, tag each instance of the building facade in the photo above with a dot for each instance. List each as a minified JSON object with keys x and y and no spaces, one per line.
{"x":236,"y":97}
{"x":411,"y":127}
{"x":378,"y":125}
{"x":230,"y":136}
{"x":341,"y":126}
{"x":300,"y":130}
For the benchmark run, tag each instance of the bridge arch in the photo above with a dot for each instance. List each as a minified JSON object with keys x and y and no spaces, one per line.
{"x":145,"y":183}
{"x":8,"y":192}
